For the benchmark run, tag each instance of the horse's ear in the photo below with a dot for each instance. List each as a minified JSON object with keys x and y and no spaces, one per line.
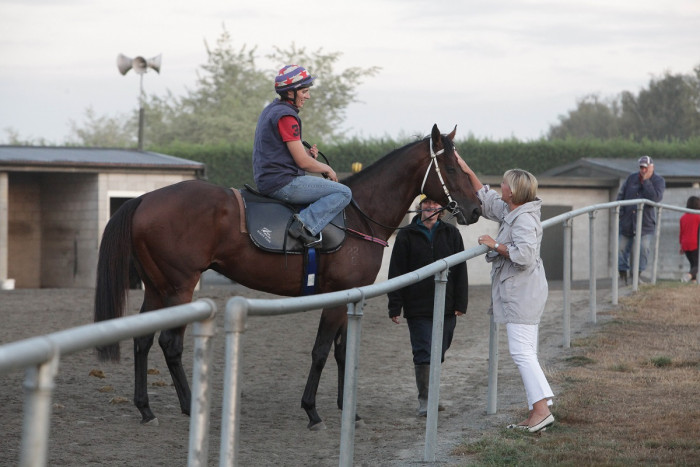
{"x":435,"y":135}
{"x":452,"y":134}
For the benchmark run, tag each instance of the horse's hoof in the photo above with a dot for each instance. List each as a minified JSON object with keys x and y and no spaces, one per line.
{"x":151,"y":422}
{"x":320,"y":426}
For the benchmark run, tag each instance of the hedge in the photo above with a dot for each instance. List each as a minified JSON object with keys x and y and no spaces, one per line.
{"x":230,"y":164}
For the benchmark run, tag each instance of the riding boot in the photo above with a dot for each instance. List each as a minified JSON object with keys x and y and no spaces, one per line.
{"x":298,"y":230}
{"x":423,"y":383}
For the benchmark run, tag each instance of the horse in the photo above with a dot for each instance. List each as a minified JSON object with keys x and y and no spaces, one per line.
{"x":177,"y":232}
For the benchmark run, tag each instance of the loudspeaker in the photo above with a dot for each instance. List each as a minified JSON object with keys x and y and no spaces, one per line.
{"x":139,"y":64}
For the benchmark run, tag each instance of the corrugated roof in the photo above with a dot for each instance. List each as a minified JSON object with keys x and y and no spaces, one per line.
{"x":44,"y":155}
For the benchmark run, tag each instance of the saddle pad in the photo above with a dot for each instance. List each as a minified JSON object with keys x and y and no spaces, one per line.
{"x":268,"y":219}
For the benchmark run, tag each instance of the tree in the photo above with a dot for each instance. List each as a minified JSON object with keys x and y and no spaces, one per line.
{"x":104,"y":131}
{"x":231,"y":91}
{"x":591,"y":119}
{"x":669,"y":109}
{"x":324,"y":113}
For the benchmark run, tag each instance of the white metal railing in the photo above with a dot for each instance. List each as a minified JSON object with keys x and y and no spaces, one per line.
{"x":39,"y":355}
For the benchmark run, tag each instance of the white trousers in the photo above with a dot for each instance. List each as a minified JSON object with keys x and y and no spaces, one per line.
{"x":522,"y":344}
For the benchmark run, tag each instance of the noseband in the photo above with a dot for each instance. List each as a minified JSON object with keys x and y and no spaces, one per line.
{"x":452,"y":204}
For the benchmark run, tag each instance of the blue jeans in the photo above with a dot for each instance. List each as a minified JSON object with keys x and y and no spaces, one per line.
{"x":623,"y":256}
{"x":421,"y":333}
{"x":327,"y":198}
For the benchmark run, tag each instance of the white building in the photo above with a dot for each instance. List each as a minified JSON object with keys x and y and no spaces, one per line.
{"x":56,"y":201}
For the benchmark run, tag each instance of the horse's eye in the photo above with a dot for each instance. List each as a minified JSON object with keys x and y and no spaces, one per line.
{"x":450,"y":169}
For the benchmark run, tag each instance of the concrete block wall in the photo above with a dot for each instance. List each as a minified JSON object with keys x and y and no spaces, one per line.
{"x":24,"y":230}
{"x":68,"y":246}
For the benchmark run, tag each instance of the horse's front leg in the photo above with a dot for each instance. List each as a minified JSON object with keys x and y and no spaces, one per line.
{"x":171,"y":342}
{"x":327,"y":329}
{"x":340,"y":356}
{"x":141,"y":347}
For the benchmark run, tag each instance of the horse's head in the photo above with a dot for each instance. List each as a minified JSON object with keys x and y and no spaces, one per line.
{"x":446,"y":183}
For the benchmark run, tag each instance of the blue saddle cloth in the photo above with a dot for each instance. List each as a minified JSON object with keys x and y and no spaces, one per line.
{"x":268,"y":222}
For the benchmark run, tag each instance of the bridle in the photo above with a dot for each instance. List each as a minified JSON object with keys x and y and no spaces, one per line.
{"x":452,"y":205}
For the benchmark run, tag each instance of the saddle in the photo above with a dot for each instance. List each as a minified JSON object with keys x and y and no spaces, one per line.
{"x":268,"y":220}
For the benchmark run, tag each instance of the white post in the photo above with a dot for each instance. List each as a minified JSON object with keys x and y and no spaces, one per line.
{"x":592,"y":286}
{"x":435,"y":364}
{"x":203,"y":331}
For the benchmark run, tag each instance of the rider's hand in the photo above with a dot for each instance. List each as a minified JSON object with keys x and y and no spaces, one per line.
{"x":330,"y":174}
{"x":313,"y":151}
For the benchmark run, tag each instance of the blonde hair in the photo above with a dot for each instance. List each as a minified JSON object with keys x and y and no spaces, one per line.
{"x":523,"y":185}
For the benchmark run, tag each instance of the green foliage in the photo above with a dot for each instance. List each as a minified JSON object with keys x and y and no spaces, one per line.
{"x":332,"y":92}
{"x":668,"y":110}
{"x":230,"y":164}
{"x":230,"y":92}
{"x":104,"y":131}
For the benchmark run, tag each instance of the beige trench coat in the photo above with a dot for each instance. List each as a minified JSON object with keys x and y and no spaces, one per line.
{"x":518,"y":285}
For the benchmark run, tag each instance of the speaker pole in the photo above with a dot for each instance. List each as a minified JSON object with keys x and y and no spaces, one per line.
{"x":140,"y":66}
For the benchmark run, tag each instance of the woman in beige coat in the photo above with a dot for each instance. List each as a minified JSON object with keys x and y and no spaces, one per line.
{"x":518,"y":283}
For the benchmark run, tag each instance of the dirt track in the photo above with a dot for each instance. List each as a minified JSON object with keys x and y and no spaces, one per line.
{"x":90,"y":426}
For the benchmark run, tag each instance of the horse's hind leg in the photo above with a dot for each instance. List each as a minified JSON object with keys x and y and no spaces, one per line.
{"x":327,"y":330}
{"x":171,"y":341}
{"x":141,"y":347}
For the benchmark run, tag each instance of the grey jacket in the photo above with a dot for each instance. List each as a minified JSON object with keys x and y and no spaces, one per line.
{"x":518,"y":285}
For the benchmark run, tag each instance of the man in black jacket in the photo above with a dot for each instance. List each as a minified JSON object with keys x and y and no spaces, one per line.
{"x":424,"y":241}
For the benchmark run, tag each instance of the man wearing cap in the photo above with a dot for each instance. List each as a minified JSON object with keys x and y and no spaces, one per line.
{"x":643,"y":184}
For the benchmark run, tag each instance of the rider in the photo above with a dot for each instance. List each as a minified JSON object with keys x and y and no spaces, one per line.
{"x":280,"y":160}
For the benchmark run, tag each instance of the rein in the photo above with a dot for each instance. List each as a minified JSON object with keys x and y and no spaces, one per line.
{"x":452,"y":206}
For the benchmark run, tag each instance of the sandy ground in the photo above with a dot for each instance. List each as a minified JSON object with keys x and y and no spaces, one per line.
{"x":90,"y":426}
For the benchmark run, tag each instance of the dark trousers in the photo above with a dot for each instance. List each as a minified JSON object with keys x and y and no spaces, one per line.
{"x":693,"y":258}
{"x":421,"y":333}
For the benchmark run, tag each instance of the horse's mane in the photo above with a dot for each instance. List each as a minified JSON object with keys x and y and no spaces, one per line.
{"x":381,"y":162}
{"x":389,"y":158}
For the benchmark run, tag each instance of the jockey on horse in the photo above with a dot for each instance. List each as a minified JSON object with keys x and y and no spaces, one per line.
{"x":280,"y":161}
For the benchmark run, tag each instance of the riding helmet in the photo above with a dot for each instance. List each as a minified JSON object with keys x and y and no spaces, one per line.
{"x":293,"y":77}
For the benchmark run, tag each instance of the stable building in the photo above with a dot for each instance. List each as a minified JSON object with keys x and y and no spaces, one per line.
{"x":56,"y":201}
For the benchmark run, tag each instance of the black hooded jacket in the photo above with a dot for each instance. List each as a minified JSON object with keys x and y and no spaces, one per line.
{"x":412,"y":250}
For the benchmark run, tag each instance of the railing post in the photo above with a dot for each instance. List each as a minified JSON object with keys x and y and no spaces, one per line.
{"x":615,"y":252}
{"x":566,"y":286}
{"x":352,"y":358}
{"x":38,"y":388}
{"x":492,"y":400}
{"x":657,"y":237}
{"x":435,"y":365}
{"x":203,"y":331}
{"x":592,"y":290}
{"x":637,"y":248}
{"x":234,"y":326}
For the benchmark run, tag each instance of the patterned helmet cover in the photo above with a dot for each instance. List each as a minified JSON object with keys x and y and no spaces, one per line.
{"x":292,"y":77}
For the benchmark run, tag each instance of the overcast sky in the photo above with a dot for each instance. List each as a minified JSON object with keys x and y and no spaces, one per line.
{"x":495,"y":69}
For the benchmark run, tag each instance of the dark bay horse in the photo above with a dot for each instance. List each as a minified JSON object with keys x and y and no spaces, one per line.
{"x":175,"y":233}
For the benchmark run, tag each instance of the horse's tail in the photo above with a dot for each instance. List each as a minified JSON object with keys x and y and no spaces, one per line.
{"x":113,"y":272}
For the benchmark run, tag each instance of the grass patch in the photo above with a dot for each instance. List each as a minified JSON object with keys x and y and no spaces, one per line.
{"x":629,"y":393}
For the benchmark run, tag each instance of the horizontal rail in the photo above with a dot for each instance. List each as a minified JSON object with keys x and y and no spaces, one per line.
{"x":36,"y":350}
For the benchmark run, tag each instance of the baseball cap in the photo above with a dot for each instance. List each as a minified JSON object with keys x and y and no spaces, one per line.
{"x":645,"y":161}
